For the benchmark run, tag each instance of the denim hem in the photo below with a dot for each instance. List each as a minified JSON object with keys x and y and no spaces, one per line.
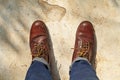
{"x":41,"y":60}
{"x":78,"y":59}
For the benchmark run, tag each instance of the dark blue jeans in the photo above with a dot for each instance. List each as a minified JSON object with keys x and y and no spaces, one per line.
{"x":80,"y":70}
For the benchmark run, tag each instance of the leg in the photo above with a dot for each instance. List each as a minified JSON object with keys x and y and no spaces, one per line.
{"x":38,"y":71}
{"x":84,"y":53}
{"x":40,"y":50}
{"x":82,"y":70}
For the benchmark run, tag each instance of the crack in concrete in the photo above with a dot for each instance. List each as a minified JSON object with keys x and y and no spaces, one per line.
{"x":52,"y":12}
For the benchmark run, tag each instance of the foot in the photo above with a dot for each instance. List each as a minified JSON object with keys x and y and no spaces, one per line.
{"x":85,"y":42}
{"x":39,"y":40}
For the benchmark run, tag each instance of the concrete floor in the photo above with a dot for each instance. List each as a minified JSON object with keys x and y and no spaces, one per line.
{"x":62,"y":18}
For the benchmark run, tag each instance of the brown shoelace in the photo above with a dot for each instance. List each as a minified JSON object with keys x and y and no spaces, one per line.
{"x":83,"y":49}
{"x":39,"y":49}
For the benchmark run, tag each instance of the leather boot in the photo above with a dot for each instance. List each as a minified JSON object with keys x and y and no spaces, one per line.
{"x":85,"y":43}
{"x":39,"y":40}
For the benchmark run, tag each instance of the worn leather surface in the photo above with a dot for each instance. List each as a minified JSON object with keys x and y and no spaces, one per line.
{"x":39,"y":40}
{"x":84,"y":34}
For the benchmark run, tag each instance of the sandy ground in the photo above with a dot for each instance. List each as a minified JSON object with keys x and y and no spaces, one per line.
{"x":62,"y":18}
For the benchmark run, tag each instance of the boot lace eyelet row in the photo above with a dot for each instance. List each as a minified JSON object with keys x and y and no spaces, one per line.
{"x":84,"y":49}
{"x":39,"y":50}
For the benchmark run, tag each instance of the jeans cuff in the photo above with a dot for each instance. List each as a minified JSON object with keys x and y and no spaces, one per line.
{"x":79,"y":59}
{"x":42,"y":60}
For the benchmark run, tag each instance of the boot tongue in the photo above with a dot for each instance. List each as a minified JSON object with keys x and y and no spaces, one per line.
{"x":83,"y":47}
{"x":38,"y":45}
